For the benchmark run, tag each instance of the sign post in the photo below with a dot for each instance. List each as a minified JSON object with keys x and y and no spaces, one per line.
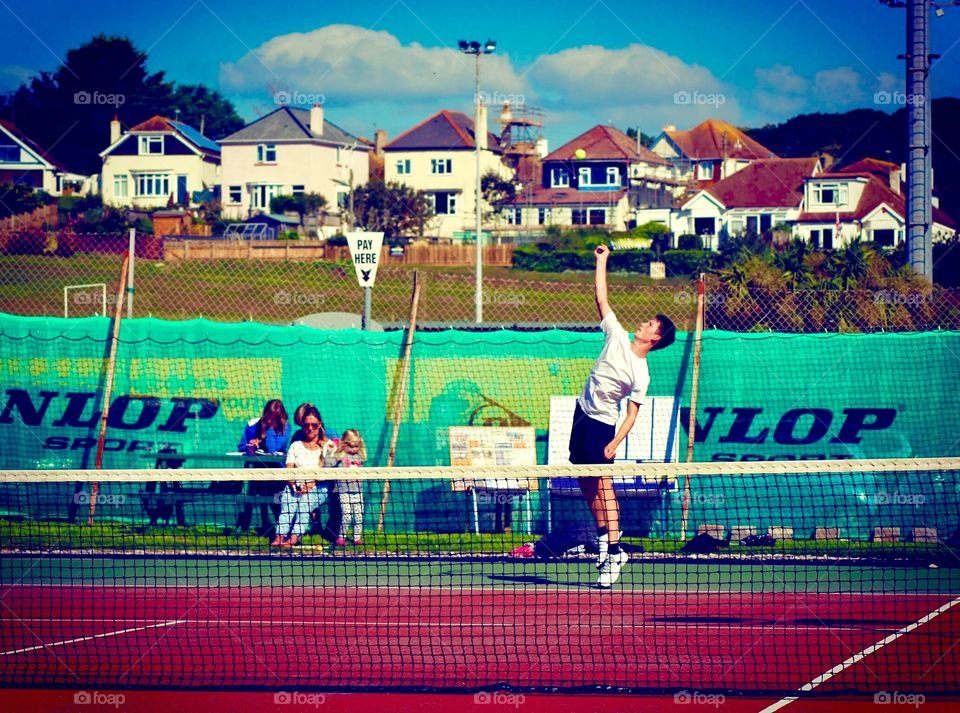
{"x":365,"y":255}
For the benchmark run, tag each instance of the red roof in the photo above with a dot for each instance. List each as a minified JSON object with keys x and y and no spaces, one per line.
{"x":31,"y":144}
{"x":772,"y":182}
{"x":715,"y":138}
{"x":445,"y":130}
{"x":876,"y":192}
{"x":607,"y":143}
{"x":873,"y":166}
{"x":537,"y":196}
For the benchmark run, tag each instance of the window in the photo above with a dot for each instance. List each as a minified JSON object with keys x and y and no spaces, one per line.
{"x":830,"y":194}
{"x":579,"y":216}
{"x":598,"y":216}
{"x":752,"y":224}
{"x":828,"y":238}
{"x":515,"y":216}
{"x":153,"y":184}
{"x":150,"y":145}
{"x":559,"y":178}
{"x":267,"y":153}
{"x":706,"y":226}
{"x":297,"y":189}
{"x":704,"y":170}
{"x":543,"y":216}
{"x":443,"y":202}
{"x":613,"y":176}
{"x":343,"y":200}
{"x":120,"y":186}
{"x":403,"y":167}
{"x":9,"y":154}
{"x":261,"y":195}
{"x":815,"y":239}
{"x":583,"y":176}
{"x":884,"y":237}
{"x":235,"y":194}
{"x":441,"y":165}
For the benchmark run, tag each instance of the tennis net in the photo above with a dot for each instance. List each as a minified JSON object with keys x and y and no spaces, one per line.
{"x":820,"y":577}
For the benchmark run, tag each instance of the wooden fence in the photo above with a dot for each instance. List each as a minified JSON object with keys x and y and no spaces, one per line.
{"x":309,"y":250}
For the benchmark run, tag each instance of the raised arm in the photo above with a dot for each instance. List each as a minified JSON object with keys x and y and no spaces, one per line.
{"x":600,"y":280}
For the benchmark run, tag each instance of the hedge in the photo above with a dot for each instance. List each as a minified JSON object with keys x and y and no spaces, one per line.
{"x":678,"y":262}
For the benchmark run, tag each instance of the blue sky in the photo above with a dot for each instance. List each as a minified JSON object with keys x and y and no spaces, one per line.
{"x":389,"y":64}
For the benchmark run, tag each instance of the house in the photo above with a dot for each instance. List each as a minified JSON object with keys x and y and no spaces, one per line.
{"x":290,"y":151}
{"x":23,"y":161}
{"x":765,"y":193}
{"x":600,"y":178}
{"x":438,"y":156}
{"x":861,"y":201}
{"x":709,"y":152}
{"x":157,"y":161}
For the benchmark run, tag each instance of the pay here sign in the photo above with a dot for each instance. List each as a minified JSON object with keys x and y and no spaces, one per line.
{"x":365,"y":254}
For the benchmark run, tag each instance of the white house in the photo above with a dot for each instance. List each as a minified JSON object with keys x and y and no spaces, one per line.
{"x":709,"y":152}
{"x":23,"y":161}
{"x":862,"y":201}
{"x":155,"y":161}
{"x":755,"y":199}
{"x":438,"y":157}
{"x":286,"y":152}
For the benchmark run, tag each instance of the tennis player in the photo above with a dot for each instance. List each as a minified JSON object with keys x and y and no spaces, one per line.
{"x":619,"y":372}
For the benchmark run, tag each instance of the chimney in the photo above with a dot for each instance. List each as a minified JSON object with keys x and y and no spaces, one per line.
{"x":481,"y":129}
{"x":669,"y":127}
{"x":827,"y":160}
{"x":316,"y":120}
{"x":505,"y":115}
{"x":379,"y":141}
{"x":114,"y":130}
{"x":895,"y":180}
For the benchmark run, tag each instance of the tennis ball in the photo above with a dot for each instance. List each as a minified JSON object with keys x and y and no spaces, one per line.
{"x":579,"y":153}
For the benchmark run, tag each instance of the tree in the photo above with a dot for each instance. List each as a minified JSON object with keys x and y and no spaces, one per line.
{"x":497,"y":191}
{"x":300,"y":203}
{"x":393,"y":208}
{"x":68,"y":112}
{"x":199,"y":106}
{"x":645,"y":139}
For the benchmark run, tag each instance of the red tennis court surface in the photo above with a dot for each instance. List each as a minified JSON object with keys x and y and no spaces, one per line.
{"x":314,"y":638}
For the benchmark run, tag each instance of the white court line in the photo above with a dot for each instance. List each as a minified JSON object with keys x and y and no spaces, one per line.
{"x":108,"y":634}
{"x":619,"y":625}
{"x":856,"y":658}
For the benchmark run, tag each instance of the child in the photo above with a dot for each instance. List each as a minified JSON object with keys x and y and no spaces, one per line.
{"x":350,"y":454}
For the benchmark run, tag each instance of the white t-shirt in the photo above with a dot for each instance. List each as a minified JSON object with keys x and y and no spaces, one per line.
{"x":303,"y":457}
{"x":617,"y":373}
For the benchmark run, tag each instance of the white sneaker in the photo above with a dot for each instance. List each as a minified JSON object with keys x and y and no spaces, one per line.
{"x":603,"y":544}
{"x":610,"y":572}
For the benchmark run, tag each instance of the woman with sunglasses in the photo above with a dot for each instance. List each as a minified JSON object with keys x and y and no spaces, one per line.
{"x":301,"y":497}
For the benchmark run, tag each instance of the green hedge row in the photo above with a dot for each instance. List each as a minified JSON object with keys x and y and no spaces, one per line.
{"x":679,"y":263}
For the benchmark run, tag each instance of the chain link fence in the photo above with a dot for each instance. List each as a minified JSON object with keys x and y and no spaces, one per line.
{"x":78,"y":276}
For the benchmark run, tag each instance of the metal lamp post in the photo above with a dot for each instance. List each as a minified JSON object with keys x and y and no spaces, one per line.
{"x":475,"y":48}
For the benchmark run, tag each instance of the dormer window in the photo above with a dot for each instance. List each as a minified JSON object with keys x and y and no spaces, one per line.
{"x":613,"y":176}
{"x":704,"y":170}
{"x":830,"y":193}
{"x":151,"y":145}
{"x":559,"y":178}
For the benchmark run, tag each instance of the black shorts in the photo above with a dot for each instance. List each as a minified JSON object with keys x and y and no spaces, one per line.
{"x":588,"y":438}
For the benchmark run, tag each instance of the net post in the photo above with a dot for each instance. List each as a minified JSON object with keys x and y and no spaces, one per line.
{"x":401,"y":394}
{"x":108,"y":383}
{"x":692,"y":421}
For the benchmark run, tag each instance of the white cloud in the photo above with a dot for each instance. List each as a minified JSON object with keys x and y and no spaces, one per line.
{"x":12,"y":76}
{"x":347,"y":64}
{"x":781,"y":78}
{"x":780,"y":91}
{"x":838,"y":87}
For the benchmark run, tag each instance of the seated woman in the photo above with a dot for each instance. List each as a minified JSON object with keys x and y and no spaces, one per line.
{"x":301,"y":497}
{"x":268,"y":434}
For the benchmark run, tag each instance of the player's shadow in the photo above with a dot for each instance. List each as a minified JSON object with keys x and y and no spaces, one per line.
{"x":523,"y":579}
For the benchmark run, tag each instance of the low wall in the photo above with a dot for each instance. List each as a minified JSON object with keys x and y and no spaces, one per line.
{"x":44,"y":215}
